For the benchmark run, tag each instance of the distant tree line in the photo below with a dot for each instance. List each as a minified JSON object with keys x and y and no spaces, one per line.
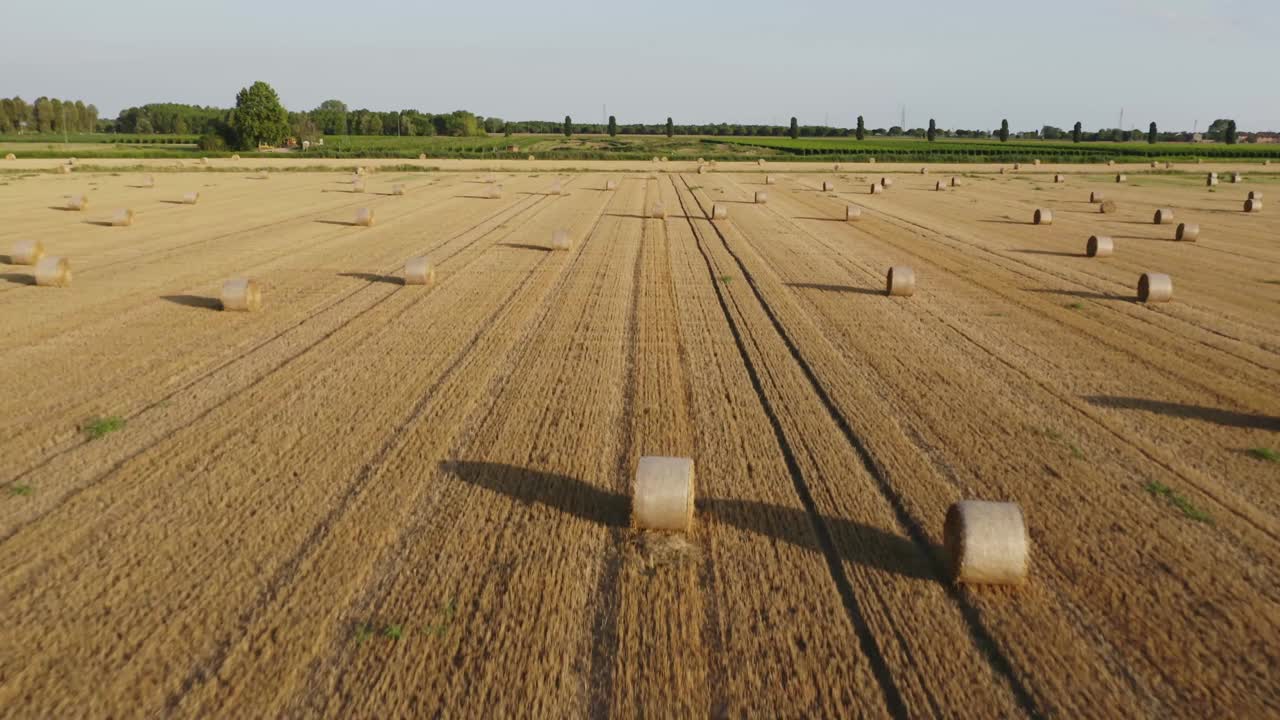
{"x":260,"y":118}
{"x":47,"y":115}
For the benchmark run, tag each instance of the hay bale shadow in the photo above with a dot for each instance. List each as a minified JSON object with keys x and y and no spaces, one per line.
{"x":839,"y":288}
{"x":194,"y":301}
{"x":19,"y":278}
{"x":373,"y":277}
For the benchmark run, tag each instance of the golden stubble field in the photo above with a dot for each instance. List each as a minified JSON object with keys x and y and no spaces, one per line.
{"x":376,"y":500}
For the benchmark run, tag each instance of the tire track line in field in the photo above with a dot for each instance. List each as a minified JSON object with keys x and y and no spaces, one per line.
{"x":891,"y":695}
{"x":981,"y":636}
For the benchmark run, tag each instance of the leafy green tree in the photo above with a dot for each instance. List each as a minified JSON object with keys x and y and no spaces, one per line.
{"x":568,"y":126}
{"x":794,"y":132}
{"x":1218,"y":129}
{"x":1152,"y":134}
{"x":933,"y":130}
{"x":1076,"y":132}
{"x":506,"y":129}
{"x":260,"y":119}
{"x":861,"y":132}
{"x":1230,"y":135}
{"x":613,"y":126}
{"x":671,"y":128}
{"x":1004,"y":131}
{"x":42,"y":112}
{"x":331,"y":117}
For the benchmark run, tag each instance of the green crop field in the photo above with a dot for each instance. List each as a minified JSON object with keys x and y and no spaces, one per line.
{"x":946,"y":150}
{"x":640,"y":147}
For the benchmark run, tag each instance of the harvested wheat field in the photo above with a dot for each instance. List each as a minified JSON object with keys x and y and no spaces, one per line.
{"x":373,"y":499}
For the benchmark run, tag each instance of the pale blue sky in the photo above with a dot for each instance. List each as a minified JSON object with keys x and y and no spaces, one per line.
{"x":965,"y":63}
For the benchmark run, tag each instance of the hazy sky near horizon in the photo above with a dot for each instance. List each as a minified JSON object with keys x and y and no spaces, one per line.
{"x":1177,"y":62}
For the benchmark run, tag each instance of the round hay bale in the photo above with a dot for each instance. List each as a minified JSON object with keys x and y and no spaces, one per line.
{"x":1107,"y":207}
{"x":1254,"y":195}
{"x":204,"y":161}
{"x":556,"y":188}
{"x":658,"y":211}
{"x":1111,"y":163}
{"x":561,"y":240}
{"x":610,"y":184}
{"x":364,"y":217}
{"x":53,"y":271}
{"x":1266,"y":162}
{"x":122,"y":218}
{"x":828,"y":186}
{"x":1253,"y":206}
{"x":1155,"y":287}
{"x":397,"y":189}
{"x":494,"y":192}
{"x":236,"y":158}
{"x":770,"y":180}
{"x":924,"y":171}
{"x":655,"y":159}
{"x":1121,"y":177}
{"x":1100,"y":246}
{"x":886,"y":181}
{"x":701,"y":161}
{"x":191,"y":198}
{"x":662,"y":497}
{"x":149,"y":181}
{"x":1036,"y":162}
{"x":1187,"y":232}
{"x":64,"y":169}
{"x":241,"y":295}
{"x":987,"y":542}
{"x":955,"y":182}
{"x":1004,"y":171}
{"x":664,"y":159}
{"x":422,"y":156}
{"x":1059,"y":178}
{"x":10,"y":156}
{"x":1097,"y":197}
{"x":1155,"y":164}
{"x":939,"y":186}
{"x":1236,"y":178}
{"x":900,"y":281}
{"x":531,"y":158}
{"x":852,"y":212}
{"x":1017,"y":167}
{"x":871,"y":161}
{"x":702,"y":169}
{"x":1211,"y":181}
{"x":1168,"y":165}
{"x":876,"y":188}
{"x":719,"y":212}
{"x":762,"y":197}
{"x":72,"y":161}
{"x":76,"y":202}
{"x":1163,"y":216}
{"x":27,"y":252}
{"x":1213,"y":175}
{"x":835,"y":167}
{"x":357,"y":185}
{"x":1043,"y":216}
{"x":760,"y":162}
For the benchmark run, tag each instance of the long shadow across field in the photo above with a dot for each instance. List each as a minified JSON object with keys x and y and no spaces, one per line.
{"x":855,"y":542}
{"x":194,"y":301}
{"x":1195,"y":412}
{"x":839,"y":288}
